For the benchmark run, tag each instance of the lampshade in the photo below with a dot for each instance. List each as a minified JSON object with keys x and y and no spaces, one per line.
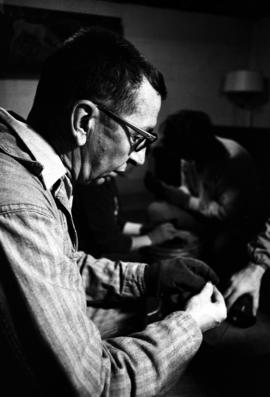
{"x":244,"y":81}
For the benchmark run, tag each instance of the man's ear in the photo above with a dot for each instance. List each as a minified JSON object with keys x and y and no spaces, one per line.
{"x":83,"y":119}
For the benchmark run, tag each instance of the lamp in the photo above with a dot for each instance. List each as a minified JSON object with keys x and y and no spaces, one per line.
{"x":245,"y":88}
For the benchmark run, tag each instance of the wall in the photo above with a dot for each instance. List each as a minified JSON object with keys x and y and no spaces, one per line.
{"x":194,"y":51}
{"x":260,"y":60}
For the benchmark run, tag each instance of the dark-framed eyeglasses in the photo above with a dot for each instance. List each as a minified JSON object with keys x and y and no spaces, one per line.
{"x":140,"y":140}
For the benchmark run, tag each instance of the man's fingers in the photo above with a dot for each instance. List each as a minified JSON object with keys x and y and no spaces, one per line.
{"x":231,"y":299}
{"x":217,"y":296}
{"x":228,"y":292}
{"x":207,"y":290}
{"x":255,"y":305}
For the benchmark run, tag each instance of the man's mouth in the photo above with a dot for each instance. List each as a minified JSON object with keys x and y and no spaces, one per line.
{"x":119,"y":173}
{"x":112,"y":174}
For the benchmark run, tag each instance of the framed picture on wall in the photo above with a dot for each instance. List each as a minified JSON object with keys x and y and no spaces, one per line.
{"x":28,"y":35}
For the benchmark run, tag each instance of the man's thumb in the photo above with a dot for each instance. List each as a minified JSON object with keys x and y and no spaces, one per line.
{"x":207,"y":290}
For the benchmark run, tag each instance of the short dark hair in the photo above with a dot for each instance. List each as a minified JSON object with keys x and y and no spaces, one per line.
{"x":95,"y":64}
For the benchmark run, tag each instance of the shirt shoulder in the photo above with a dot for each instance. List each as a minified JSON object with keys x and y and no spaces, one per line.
{"x":233,"y":148}
{"x":21,"y":187}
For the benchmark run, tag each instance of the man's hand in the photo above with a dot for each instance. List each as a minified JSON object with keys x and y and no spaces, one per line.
{"x":163,"y":232}
{"x":207,"y":308}
{"x":247,"y":280}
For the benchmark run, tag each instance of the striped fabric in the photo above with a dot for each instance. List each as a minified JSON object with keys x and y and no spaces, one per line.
{"x":38,"y":239}
{"x":259,"y":248}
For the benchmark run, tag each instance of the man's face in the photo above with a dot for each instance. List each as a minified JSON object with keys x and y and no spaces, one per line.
{"x":109,"y":148}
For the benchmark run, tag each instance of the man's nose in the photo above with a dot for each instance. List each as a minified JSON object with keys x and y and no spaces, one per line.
{"x":138,"y":157}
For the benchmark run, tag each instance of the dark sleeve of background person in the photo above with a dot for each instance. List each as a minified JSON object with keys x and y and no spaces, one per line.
{"x":98,"y":226}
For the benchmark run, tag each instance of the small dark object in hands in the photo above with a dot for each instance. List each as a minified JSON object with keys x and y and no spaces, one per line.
{"x":240,"y":314}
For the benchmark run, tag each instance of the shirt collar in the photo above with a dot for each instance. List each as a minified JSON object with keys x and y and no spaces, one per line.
{"x":42,"y":151}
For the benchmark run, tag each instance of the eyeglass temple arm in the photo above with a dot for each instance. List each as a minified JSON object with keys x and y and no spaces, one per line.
{"x":148,"y":135}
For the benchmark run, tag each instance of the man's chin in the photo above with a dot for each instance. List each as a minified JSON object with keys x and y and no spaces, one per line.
{"x":106,"y":178}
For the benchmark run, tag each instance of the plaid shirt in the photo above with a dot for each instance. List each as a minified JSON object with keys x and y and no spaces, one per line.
{"x":54,"y":281}
{"x":259,"y":248}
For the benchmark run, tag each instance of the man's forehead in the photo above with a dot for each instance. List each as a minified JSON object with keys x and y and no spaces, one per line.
{"x":147,"y":101}
{"x":146,"y":93}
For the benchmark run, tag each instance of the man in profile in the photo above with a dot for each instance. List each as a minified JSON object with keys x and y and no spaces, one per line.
{"x":95,"y":109}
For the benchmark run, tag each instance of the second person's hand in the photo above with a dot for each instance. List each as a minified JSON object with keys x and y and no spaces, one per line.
{"x":163,"y":232}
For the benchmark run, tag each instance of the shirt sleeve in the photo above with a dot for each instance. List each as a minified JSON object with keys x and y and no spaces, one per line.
{"x":259,"y":248}
{"x":142,"y":364}
{"x":103,"y":278}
